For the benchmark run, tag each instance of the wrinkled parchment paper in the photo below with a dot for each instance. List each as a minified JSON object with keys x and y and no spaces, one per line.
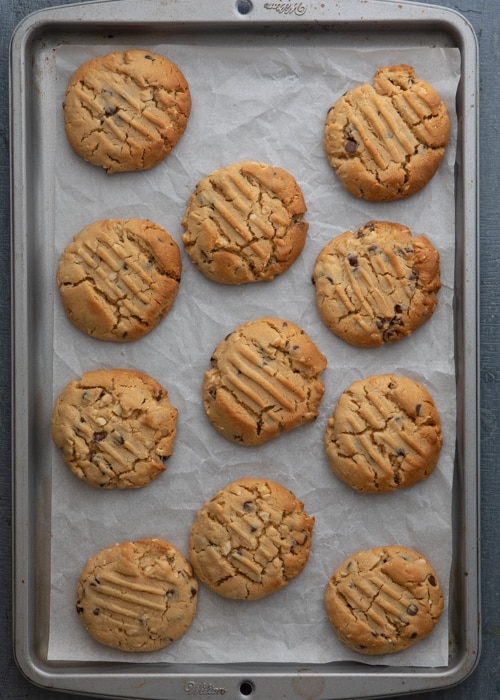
{"x":264,"y":101}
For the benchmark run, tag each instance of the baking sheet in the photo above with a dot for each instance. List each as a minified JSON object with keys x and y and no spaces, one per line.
{"x":264,"y":102}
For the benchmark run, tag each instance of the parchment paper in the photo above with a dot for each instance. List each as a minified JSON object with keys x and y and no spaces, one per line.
{"x":264,"y":102}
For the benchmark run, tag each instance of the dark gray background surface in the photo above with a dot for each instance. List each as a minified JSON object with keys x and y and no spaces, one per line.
{"x":484,"y":683}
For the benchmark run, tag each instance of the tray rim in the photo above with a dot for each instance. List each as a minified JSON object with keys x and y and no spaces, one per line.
{"x":89,"y":677}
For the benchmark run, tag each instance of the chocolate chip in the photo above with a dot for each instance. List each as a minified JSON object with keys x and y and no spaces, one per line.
{"x":413,"y":635}
{"x":398,"y":309}
{"x":432,"y":580}
{"x":193,"y":592}
{"x":110,"y":111}
{"x":79,"y":609}
{"x":351,"y":146}
{"x":100,"y":436}
{"x":412,"y":609}
{"x":418,"y":409}
{"x":352,"y":260}
{"x":248,"y":506}
{"x":96,"y":611}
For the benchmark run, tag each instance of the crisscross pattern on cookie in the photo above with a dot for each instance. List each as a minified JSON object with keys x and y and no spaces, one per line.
{"x":378,"y":284}
{"x":116,"y":428}
{"x":383,"y":600}
{"x":119,"y":277}
{"x":384,"y":434}
{"x":386,"y":141}
{"x":265,"y":379}
{"x":137,"y":596}
{"x":250,"y":539}
{"x":244,"y":223}
{"x":126,"y":111}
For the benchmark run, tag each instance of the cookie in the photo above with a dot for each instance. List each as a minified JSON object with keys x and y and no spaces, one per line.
{"x":244,"y":223}
{"x":118,"y":278}
{"x":386,"y":141}
{"x":250,"y":539}
{"x":126,"y":111}
{"x":115,"y":428}
{"x":384,"y":434}
{"x":378,"y":284}
{"x":137,"y":596}
{"x":265,"y":380}
{"x":383,"y":600}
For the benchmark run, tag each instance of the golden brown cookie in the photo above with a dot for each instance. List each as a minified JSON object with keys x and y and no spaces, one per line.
{"x":118,"y":278}
{"x":378,"y":284}
{"x":250,"y":539}
{"x":126,"y":110}
{"x":244,"y":223}
{"x":137,"y":596}
{"x":115,"y":428}
{"x":265,"y":380}
{"x":384,"y":434}
{"x":383,"y":600}
{"x":386,"y":141}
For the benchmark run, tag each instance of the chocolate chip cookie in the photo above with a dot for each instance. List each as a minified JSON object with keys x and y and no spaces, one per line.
{"x":118,"y":278}
{"x":384,"y":434}
{"x":126,"y":111}
{"x":137,"y":596}
{"x":386,"y":141}
{"x":116,"y":428}
{"x":383,"y":600}
{"x":265,"y":380}
{"x":378,"y":284}
{"x":250,"y":539}
{"x":244,"y":223}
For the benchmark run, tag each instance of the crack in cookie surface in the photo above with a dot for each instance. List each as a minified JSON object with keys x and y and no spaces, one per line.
{"x":244,"y":223}
{"x":250,"y":539}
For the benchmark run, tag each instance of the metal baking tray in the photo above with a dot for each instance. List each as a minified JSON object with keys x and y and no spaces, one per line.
{"x":344,"y":23}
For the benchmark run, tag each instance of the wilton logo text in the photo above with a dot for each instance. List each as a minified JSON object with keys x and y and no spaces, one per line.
{"x":202,"y":689}
{"x":287,"y":8}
